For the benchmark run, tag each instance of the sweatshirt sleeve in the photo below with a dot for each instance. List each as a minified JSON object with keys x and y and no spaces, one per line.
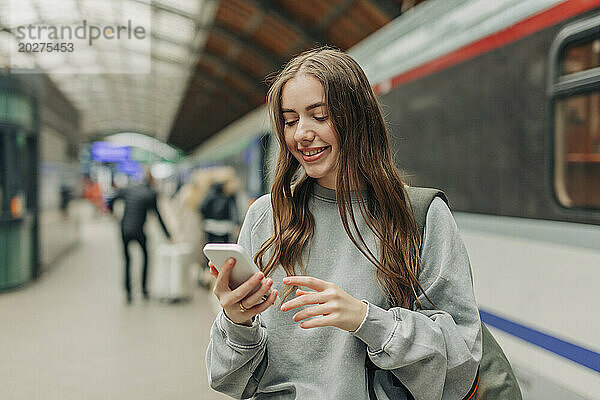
{"x":235,"y":353}
{"x":434,"y":351}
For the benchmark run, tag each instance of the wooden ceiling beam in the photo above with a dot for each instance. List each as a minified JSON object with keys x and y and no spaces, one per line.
{"x":238,"y":97}
{"x":391,"y":8}
{"x":228,"y":67}
{"x":305,"y":32}
{"x":245,"y":42}
{"x":337,"y":11}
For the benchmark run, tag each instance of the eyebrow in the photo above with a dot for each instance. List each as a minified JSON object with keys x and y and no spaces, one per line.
{"x":320,"y":104}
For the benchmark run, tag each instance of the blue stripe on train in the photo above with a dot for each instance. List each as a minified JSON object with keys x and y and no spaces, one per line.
{"x":578,"y":354}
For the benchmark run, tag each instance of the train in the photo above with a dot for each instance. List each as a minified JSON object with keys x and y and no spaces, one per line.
{"x":498,"y":105}
{"x":39,"y":175}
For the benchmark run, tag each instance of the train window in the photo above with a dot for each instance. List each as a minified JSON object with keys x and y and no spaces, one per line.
{"x":577,"y":150}
{"x":575,"y":88}
{"x":17,"y":195}
{"x":580,"y":57}
{"x":12,"y":179}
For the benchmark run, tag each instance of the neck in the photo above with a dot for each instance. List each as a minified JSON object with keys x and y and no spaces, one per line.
{"x":327,"y":182}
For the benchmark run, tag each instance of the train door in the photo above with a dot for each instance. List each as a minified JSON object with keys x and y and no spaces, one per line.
{"x":3,"y":206}
{"x":17,"y":224}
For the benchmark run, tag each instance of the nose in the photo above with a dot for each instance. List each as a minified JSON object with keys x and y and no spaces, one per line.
{"x":304,"y":132}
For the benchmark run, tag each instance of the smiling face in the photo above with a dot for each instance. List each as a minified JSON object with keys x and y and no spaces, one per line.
{"x":308,"y":131}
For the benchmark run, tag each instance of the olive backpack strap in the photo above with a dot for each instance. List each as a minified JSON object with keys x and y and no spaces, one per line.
{"x":495,"y":378}
{"x":420,"y":199}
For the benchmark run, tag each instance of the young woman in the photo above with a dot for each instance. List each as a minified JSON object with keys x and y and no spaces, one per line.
{"x":338,"y":244}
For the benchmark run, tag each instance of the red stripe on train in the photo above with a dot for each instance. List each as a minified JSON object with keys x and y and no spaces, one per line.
{"x":501,"y":38}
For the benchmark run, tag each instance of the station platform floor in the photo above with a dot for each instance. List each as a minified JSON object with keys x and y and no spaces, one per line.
{"x":71,"y":335}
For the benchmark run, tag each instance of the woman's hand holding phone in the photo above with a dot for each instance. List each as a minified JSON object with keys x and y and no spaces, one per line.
{"x":238,"y":304}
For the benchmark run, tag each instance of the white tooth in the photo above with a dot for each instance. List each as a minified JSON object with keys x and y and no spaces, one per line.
{"x":313,"y":152}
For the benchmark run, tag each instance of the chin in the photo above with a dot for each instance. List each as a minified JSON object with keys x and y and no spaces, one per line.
{"x":314,"y":174}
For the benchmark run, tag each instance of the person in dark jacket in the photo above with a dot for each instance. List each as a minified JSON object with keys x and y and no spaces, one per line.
{"x":65,"y":198}
{"x":139,"y":199}
{"x":220,"y":215}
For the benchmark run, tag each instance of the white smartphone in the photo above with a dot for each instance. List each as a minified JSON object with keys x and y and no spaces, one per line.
{"x":243,"y":269}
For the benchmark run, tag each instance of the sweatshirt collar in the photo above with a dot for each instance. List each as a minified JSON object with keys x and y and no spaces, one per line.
{"x":328,"y":195}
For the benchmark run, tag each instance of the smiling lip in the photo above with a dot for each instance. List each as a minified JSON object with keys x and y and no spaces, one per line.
{"x":314,"y":157}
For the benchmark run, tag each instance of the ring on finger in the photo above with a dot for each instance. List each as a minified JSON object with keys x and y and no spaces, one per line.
{"x":242,"y":308}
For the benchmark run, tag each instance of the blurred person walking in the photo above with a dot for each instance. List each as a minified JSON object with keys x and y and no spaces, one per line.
{"x":139,"y":199}
{"x":189,"y":227}
{"x":65,"y":198}
{"x":219,"y":208}
{"x":93,"y":193}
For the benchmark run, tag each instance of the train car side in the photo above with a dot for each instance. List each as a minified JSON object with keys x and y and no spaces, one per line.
{"x":483,"y":130}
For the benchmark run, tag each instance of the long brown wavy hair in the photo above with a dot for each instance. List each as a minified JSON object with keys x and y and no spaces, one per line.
{"x":364,"y":162}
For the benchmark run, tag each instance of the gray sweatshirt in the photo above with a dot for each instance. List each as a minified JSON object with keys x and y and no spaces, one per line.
{"x":433,"y":352}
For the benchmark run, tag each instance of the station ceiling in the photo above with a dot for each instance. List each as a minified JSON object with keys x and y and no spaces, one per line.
{"x":116,"y":85}
{"x":203,"y":67}
{"x":250,"y":39}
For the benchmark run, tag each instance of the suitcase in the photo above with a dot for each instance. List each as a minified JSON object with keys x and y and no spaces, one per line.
{"x":171,"y":278}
